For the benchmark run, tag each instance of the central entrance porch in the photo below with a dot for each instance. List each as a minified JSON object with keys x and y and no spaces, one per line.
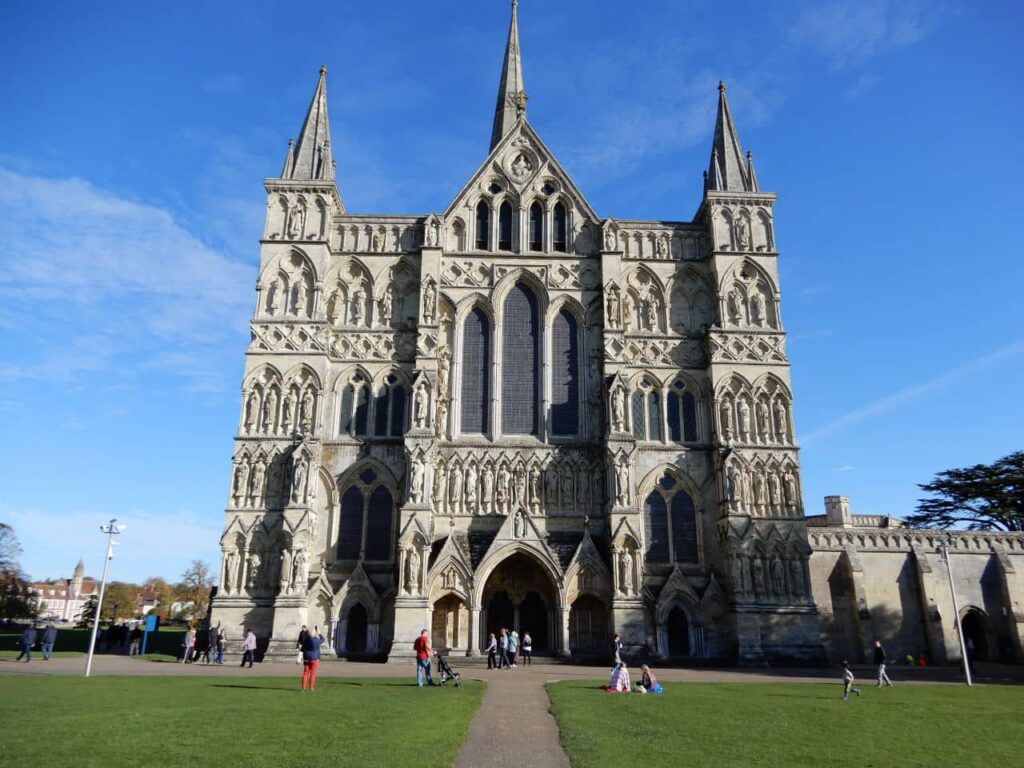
{"x":520,"y":595}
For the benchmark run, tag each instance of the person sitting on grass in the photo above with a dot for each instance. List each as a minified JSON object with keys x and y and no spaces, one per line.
{"x":848,"y":681}
{"x":648,"y":682}
{"x":619,"y":682}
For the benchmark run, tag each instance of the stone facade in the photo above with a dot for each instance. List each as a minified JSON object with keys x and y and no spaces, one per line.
{"x":516,"y":413}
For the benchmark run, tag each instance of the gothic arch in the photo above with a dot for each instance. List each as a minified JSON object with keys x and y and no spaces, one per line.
{"x":532,"y":549}
{"x":505,"y":285}
{"x":475,"y":300}
{"x":382,"y":470}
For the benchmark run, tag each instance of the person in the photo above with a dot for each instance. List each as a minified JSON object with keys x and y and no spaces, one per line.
{"x":492,"y":652}
{"x":880,"y":662}
{"x":969,"y":645}
{"x":136,"y":641}
{"x":248,"y":647}
{"x":527,"y":649}
{"x":648,"y":682}
{"x":222,"y":644}
{"x":202,"y":647}
{"x":49,"y":638}
{"x":189,"y":643}
{"x":211,"y":642}
{"x":619,"y":681}
{"x":513,"y":647}
{"x":422,"y":648}
{"x":300,"y":644}
{"x":617,"y":649}
{"x":848,"y":681}
{"x":27,"y":640}
{"x":503,"y":649}
{"x":311,"y":643}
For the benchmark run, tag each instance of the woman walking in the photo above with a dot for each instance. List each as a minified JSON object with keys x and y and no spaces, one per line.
{"x":527,"y":649}
{"x":222,"y":644}
{"x":189,"y":644}
{"x":492,"y":652}
{"x":503,"y":649}
{"x":513,"y":647}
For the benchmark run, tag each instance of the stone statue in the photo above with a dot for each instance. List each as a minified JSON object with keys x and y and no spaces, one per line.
{"x":441,"y":419}
{"x":796,"y":579}
{"x":661,"y":247}
{"x":519,"y":483}
{"x":781,"y":428}
{"x":737,"y":574}
{"x":566,"y":482}
{"x":300,"y":297}
{"x":759,"y":310}
{"x":252,"y":409}
{"x":300,"y":475}
{"x":274,"y":297}
{"x":270,"y":412}
{"x":254,"y":570}
{"x":296,"y":218}
{"x":285,"y":570}
{"x":433,"y":233}
{"x":358,"y":306}
{"x":758,"y":568}
{"x":429,"y":301}
{"x":789,"y":488}
{"x":287,"y":411}
{"x":412,"y":572}
{"x":306,"y":411}
{"x":650,"y":309}
{"x":375,"y":242}
{"x":535,"y":491}
{"x":420,"y":407}
{"x":626,"y":572}
{"x":778,"y":577}
{"x":622,"y":476}
{"x":610,"y":240}
{"x":742,"y":230}
{"x":619,"y":409}
{"x":517,"y":525}
{"x":471,"y":488}
{"x":416,"y":481}
{"x":300,"y":571}
{"x":256,"y":482}
{"x":613,"y":308}
{"x":763,"y":428}
{"x":444,"y":366}
{"x":759,"y":496}
{"x":521,"y":167}
{"x":488,"y":492}
{"x":725,"y":412}
{"x":385,"y":305}
{"x":734,"y":307}
{"x":440,"y":487}
{"x":334,"y":308}
{"x":241,"y":481}
{"x":627,"y":311}
{"x":455,"y":489}
{"x":732,"y":485}
{"x":743,"y":419}
{"x":230,"y":570}
{"x":503,"y":488}
{"x":774,"y":490}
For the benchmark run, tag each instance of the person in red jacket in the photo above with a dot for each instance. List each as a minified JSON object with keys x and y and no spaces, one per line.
{"x":422,"y":648}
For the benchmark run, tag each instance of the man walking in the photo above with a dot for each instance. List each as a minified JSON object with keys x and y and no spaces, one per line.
{"x":135,"y":644}
{"x":248,"y":647}
{"x":880,"y":663}
{"x":422,"y":648}
{"x":28,"y":639}
{"x":49,"y":638}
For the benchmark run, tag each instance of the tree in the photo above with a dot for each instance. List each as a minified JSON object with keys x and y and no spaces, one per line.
{"x":10,"y":549}
{"x":16,"y":602}
{"x":987,"y":497}
{"x":165,"y":596}
{"x":119,"y":601}
{"x":85,"y":618}
{"x":195,"y":587}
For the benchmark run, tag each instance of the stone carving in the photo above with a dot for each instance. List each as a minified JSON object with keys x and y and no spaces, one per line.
{"x":781,"y":422}
{"x":628,"y":309}
{"x":611,"y":237}
{"x":790,"y":491}
{"x":774,"y":491}
{"x":518,"y":525}
{"x":612,"y":308}
{"x":432,"y":233}
{"x":240,"y":481}
{"x":619,"y":409}
{"x":757,"y":566}
{"x":416,"y":481}
{"x":763,"y":426}
{"x":488,"y":489}
{"x":441,"y":419}
{"x":296,"y":219}
{"x":284,"y":571}
{"x":429,"y":302}
{"x":421,"y":406}
{"x":742,"y":232}
{"x":521,"y":167}
{"x":306,"y":411}
{"x":626,"y":572}
{"x":256,"y":484}
{"x":502,"y":494}
{"x":778,"y":577}
{"x":471,"y":488}
{"x":725,"y":411}
{"x":300,"y":572}
{"x":796,"y":579}
{"x":622,"y":478}
{"x":358,"y":307}
{"x":758,"y":311}
{"x":230,"y":571}
{"x":455,"y":490}
{"x":274,"y":297}
{"x":254,"y":571}
{"x":444,"y":364}
{"x":300,"y":475}
{"x":737,"y":574}
{"x":535,"y":491}
{"x":440,"y":488}
{"x":301,"y":296}
{"x":384,"y":307}
{"x":743,"y":420}
{"x":412,"y":572}
{"x":252,"y":408}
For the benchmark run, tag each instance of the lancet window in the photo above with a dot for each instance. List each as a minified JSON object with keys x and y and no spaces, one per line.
{"x":682,"y":414}
{"x":367,"y":514}
{"x":389,"y":408}
{"x":670,"y":524}
{"x":520,"y":374}
{"x":565,"y":366}
{"x":483,"y":226}
{"x":476,"y":364}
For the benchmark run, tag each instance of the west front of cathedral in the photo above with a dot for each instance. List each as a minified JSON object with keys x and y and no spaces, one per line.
{"x":517,"y":413}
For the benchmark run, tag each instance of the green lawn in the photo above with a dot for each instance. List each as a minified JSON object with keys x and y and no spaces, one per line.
{"x":72,"y":641}
{"x":792,"y":724}
{"x":110,"y":722}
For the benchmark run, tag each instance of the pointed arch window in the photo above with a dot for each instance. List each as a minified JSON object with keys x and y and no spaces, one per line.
{"x":536,"y":227}
{"x":505,"y":227}
{"x":367,"y":517}
{"x":483,"y":226}
{"x":682,"y":414}
{"x":353,"y":416}
{"x":646,"y":406}
{"x":670,"y":524}
{"x":389,"y":409}
{"x":520,"y":375}
{"x":476,"y":363}
{"x":558,"y":228}
{"x":565,"y":366}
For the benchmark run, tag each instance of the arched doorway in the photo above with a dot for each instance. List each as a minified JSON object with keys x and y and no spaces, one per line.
{"x":355,"y":633}
{"x":450,"y":624}
{"x":588,"y":626}
{"x":519,"y":594}
{"x":975,"y":626}
{"x":677,"y":629}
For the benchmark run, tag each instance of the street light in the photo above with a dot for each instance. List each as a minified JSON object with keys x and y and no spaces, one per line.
{"x":956,"y":611}
{"x":111,"y":529}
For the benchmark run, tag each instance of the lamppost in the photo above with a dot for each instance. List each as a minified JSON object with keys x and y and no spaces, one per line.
{"x":956,"y":610}
{"x":111,"y":529}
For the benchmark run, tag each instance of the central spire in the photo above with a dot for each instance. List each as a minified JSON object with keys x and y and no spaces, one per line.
{"x":511,"y":95}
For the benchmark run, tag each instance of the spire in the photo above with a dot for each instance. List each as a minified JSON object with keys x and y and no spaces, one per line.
{"x":310,"y":157}
{"x":728,"y":170}
{"x":79,"y":569}
{"x":511,"y":95}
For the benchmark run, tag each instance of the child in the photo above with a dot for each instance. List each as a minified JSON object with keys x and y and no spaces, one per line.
{"x":848,"y":681}
{"x":648,"y":682}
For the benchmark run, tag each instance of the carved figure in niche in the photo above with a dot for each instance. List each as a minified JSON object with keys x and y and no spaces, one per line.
{"x":759,"y":310}
{"x":622,"y":476}
{"x":613,"y":308}
{"x":299,"y":307}
{"x":725,"y":411}
{"x":241,"y":481}
{"x":334,"y":308}
{"x":286,"y":413}
{"x":441,"y":419}
{"x":781,"y":427}
{"x":444,"y":364}
{"x":742,"y":232}
{"x":412,"y":572}
{"x":502,"y":492}
{"x":306,"y":411}
{"x":759,"y":496}
{"x":796,"y":579}
{"x":254,"y":571}
{"x":471,"y":488}
{"x":567,"y":498}
{"x":758,"y":568}
{"x":774,"y":491}
{"x":433,"y":233}
{"x":230,"y":570}
{"x":521,"y":167}
{"x":429,"y":302}
{"x":626,"y":572}
{"x":300,"y":571}
{"x":449,"y":578}
{"x":650,"y":309}
{"x":440,"y":487}
{"x":375,"y":242}
{"x":610,"y":238}
{"x":789,"y":488}
{"x":619,"y":409}
{"x":256,"y":482}
{"x":763,"y":422}
{"x":252,"y":409}
{"x":384,"y":305}
{"x":420,"y":408}
{"x":488,"y":492}
{"x":661,"y":247}
{"x":284,"y":565}
{"x":518,"y":525}
{"x":627,"y":311}
{"x":733,"y":493}
{"x":734,"y":306}
{"x":296,"y":219}
{"x":519,"y":483}
{"x":737,"y":574}
{"x":455,"y":489}
{"x":535,"y":490}
{"x":299,"y":476}
{"x":269,"y":412}
{"x":274,"y":297}
{"x":743,"y":419}
{"x":416,"y":481}
{"x":778,"y":577}
{"x":358,"y":306}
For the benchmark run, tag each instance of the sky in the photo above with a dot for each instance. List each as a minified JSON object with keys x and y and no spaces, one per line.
{"x":134,"y":139}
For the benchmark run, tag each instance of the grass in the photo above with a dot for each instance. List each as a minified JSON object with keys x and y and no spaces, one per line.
{"x":72,"y":641}
{"x":789,"y":724}
{"x":109,"y":722}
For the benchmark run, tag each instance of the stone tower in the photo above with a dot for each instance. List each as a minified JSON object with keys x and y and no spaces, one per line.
{"x":514,"y":413}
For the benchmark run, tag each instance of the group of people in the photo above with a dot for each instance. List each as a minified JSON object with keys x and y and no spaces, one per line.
{"x":197,"y":646}
{"x":883,"y":676}
{"x":620,"y":682}
{"x":31,"y":636}
{"x":505,"y":650}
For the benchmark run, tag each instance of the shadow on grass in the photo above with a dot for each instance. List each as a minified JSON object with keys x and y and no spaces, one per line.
{"x":255,"y":687}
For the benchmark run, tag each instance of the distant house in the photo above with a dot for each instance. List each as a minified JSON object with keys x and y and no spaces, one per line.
{"x":64,"y":599}
{"x":146,"y":602}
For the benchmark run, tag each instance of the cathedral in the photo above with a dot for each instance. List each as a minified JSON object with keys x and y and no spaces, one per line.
{"x":516,"y":412}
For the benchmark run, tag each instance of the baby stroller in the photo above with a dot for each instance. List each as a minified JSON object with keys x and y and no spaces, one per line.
{"x":446,"y":671}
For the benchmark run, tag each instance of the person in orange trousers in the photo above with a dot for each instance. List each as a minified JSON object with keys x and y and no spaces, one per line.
{"x":311,"y":658}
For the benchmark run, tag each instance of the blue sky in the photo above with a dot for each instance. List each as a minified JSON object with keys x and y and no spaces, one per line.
{"x":135,"y":137}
